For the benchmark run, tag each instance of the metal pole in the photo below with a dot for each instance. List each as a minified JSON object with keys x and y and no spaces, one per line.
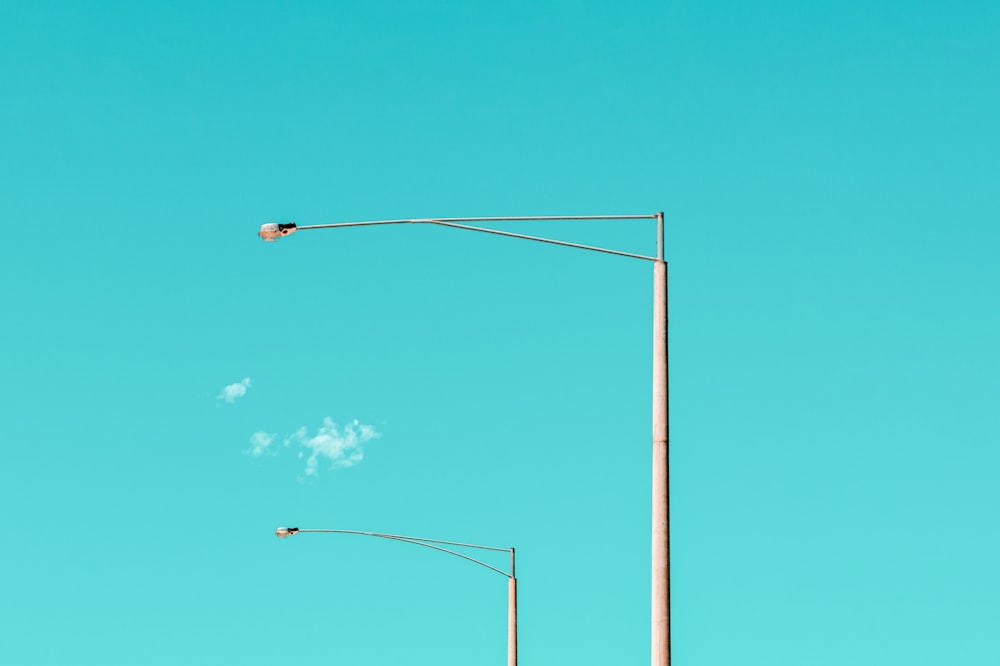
{"x":511,"y":621}
{"x":661,"y":465}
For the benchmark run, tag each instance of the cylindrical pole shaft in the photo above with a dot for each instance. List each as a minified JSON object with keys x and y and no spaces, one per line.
{"x":511,"y":621}
{"x":661,"y":474}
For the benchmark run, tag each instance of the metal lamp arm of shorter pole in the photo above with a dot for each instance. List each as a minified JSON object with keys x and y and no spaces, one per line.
{"x":429,"y":543}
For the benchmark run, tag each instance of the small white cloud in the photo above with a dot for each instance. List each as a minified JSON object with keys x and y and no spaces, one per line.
{"x":231,"y":392}
{"x":342,"y":447}
{"x":259,"y":441}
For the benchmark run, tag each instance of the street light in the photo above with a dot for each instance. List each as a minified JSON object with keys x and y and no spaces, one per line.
{"x":660,"y":587}
{"x":436,"y":544}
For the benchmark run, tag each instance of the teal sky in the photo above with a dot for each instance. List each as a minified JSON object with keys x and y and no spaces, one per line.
{"x":828,"y":172}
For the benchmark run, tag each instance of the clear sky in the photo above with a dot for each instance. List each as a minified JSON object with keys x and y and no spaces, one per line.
{"x":829,"y":176}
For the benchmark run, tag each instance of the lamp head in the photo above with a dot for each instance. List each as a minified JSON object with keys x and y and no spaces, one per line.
{"x":272,"y":231}
{"x":283,"y":532}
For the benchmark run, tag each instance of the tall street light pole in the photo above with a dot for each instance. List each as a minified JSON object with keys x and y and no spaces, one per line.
{"x":660,"y":587}
{"x":437,"y":544}
{"x":660,"y":628}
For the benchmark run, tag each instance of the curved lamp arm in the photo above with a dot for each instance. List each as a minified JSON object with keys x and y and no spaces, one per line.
{"x":283,"y":532}
{"x":272,"y":231}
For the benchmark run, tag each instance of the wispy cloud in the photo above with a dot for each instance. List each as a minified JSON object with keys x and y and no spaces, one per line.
{"x":232,"y":392}
{"x":339,"y":446}
{"x":259,"y":441}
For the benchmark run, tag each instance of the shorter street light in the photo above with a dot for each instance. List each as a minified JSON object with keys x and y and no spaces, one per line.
{"x":436,"y":544}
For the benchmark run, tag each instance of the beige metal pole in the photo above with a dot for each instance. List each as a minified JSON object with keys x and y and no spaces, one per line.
{"x":511,"y":621}
{"x":661,"y":469}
